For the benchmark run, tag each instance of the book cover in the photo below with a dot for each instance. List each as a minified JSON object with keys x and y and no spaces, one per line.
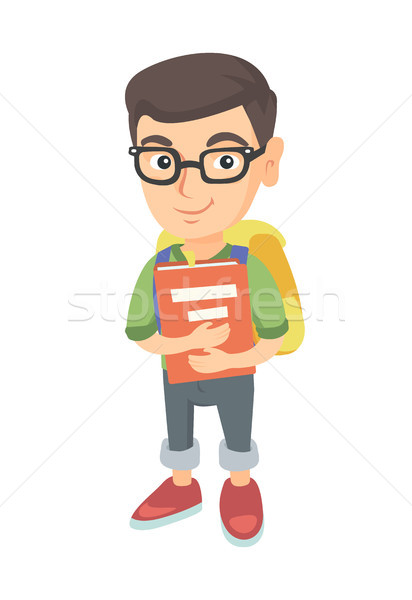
{"x":211,"y":290}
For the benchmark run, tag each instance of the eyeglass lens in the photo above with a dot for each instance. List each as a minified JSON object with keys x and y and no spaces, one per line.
{"x":160,"y":165}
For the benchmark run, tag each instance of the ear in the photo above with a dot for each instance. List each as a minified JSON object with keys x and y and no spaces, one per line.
{"x":272,"y":156}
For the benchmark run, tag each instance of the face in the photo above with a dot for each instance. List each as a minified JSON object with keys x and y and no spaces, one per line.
{"x":191,"y":208}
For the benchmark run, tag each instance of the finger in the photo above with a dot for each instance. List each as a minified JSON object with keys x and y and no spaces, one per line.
{"x":220,"y":328}
{"x":197,"y":359}
{"x":200,"y":363}
{"x":203,"y":326}
{"x":202,"y":369}
{"x":223,"y":332}
{"x":197,"y":363}
{"x":220,"y":331}
{"x":198,"y":367}
{"x":223,"y":336}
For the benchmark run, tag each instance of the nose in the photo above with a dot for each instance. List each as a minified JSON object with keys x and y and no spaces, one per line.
{"x":189,"y":182}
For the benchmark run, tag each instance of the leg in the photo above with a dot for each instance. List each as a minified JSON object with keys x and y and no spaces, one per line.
{"x":238,"y":452}
{"x":180,"y":451}
{"x":241,"y":508}
{"x":179,"y":496}
{"x":240,"y":478}
{"x":182,"y":477}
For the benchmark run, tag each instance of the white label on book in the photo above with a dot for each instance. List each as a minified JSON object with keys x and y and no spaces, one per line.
{"x":208,"y":292}
{"x":204,"y":314}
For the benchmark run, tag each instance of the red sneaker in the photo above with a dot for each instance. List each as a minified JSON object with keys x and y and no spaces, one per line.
{"x":167,"y":504}
{"x":242,"y":513}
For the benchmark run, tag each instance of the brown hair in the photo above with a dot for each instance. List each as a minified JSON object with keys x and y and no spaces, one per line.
{"x":200,"y":85}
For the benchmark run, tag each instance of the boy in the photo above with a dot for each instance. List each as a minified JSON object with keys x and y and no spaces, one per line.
{"x":178,"y":109}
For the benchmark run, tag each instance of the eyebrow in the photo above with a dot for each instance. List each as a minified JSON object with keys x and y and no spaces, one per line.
{"x":224,"y":136}
{"x":157,"y":139}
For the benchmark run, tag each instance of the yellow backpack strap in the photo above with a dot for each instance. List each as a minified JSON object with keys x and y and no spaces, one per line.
{"x":268,"y":249}
{"x":242,"y":232}
{"x":166,"y":239}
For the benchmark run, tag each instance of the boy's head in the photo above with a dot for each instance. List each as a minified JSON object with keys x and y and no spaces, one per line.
{"x":202,"y":103}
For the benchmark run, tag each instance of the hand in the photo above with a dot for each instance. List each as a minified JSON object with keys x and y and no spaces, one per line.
{"x":215,"y":360}
{"x":206,"y":336}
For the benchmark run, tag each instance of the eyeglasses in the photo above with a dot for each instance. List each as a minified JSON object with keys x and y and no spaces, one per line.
{"x":163,"y":166}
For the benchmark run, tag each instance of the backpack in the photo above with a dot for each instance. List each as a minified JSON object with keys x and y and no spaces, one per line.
{"x":266,"y":243}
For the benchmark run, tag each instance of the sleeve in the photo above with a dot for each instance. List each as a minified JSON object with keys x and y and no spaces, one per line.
{"x":268,"y":313}
{"x":141,"y":320}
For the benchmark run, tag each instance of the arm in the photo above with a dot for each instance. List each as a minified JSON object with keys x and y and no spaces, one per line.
{"x":217,"y":360}
{"x":202,"y":336}
{"x":160,"y":344}
{"x":263,"y":351}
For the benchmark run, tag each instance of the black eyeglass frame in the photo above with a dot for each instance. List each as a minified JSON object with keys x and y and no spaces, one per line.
{"x":248,"y":152}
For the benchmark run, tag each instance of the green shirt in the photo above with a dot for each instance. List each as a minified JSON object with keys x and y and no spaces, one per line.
{"x":268,"y":313}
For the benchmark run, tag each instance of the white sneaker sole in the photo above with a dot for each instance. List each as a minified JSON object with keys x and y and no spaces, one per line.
{"x":243,"y":543}
{"x":154,"y":523}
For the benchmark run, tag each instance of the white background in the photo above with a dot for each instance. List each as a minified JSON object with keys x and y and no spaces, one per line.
{"x":333,"y":421}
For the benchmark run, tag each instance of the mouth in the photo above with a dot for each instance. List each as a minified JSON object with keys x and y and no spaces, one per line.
{"x":195,"y":212}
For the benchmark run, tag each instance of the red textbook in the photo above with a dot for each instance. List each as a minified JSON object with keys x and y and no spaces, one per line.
{"x":210,"y":290}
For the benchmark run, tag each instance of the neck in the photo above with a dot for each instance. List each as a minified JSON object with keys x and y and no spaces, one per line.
{"x":205,"y":247}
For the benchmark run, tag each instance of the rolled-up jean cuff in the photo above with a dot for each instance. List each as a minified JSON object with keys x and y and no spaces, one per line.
{"x":231,"y":460}
{"x":181,"y":460}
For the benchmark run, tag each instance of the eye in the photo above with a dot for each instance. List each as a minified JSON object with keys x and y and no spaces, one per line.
{"x":160,"y":161}
{"x":226,"y":161}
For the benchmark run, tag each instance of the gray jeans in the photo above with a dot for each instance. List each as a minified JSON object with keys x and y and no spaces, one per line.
{"x":233,"y":397}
